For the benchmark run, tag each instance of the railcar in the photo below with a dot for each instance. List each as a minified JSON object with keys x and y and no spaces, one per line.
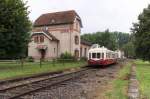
{"x":101,"y":56}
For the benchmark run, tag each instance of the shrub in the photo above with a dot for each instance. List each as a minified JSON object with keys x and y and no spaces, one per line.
{"x":83,"y":58}
{"x":66,"y":55}
{"x":30,"y":59}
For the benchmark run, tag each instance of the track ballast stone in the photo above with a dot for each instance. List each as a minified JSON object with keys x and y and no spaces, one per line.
{"x":83,"y":87}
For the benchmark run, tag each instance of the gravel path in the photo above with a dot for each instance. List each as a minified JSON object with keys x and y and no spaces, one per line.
{"x":88,"y":86}
{"x":133,"y":91}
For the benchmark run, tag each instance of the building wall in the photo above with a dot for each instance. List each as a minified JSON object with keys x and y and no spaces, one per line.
{"x":76,"y":32}
{"x":84,"y":50}
{"x":35,"y":53}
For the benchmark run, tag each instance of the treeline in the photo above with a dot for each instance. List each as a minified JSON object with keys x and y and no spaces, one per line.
{"x":113,"y":41}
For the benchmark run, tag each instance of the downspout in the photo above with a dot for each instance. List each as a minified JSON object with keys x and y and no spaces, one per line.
{"x":57,"y":48}
{"x":70,"y":40}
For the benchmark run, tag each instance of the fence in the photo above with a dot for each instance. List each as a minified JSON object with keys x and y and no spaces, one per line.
{"x":53,"y":62}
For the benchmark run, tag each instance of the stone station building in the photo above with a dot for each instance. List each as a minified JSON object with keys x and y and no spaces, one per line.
{"x":57,"y":33}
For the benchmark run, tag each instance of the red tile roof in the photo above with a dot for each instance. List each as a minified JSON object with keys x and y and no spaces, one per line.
{"x":57,"y":18}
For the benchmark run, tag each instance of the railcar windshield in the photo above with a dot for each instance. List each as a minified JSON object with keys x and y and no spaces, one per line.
{"x":98,"y":55}
{"x":93,"y":55}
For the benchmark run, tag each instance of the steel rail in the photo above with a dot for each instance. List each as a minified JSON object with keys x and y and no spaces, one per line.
{"x":24,"y":89}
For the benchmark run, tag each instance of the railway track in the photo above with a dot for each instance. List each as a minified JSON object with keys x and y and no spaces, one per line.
{"x":14,"y":92}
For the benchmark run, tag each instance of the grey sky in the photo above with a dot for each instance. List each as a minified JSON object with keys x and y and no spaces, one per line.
{"x":97,"y":15}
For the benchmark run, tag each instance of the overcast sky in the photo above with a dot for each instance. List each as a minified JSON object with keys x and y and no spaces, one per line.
{"x":96,"y":15}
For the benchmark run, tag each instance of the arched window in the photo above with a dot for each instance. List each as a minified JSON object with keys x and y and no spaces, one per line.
{"x":76,"y":39}
{"x":76,"y":54}
{"x":77,"y":25}
{"x":36,"y":39}
{"x":41,"y":39}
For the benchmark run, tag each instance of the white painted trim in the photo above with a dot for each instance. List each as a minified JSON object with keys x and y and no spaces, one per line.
{"x":42,"y":33}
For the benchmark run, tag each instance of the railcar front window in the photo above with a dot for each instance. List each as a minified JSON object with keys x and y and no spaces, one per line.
{"x":98,"y":55}
{"x":102,"y":55}
{"x":93,"y":55}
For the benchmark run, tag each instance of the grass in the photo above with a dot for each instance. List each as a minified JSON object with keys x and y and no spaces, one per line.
{"x":13,"y":69}
{"x":143,"y":76}
{"x":119,"y":86}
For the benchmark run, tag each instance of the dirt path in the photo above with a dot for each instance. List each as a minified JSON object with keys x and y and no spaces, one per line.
{"x":133,"y":91}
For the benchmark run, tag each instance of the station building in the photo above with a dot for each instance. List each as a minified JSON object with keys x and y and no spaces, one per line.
{"x":57,"y":33}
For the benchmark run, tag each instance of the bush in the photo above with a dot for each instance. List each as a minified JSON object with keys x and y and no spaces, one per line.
{"x":30,"y":59}
{"x":83,"y":58}
{"x":66,"y":55}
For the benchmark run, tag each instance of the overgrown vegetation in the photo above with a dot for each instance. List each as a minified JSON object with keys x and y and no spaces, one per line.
{"x":120,"y":84}
{"x":13,"y":69}
{"x":143,"y":76}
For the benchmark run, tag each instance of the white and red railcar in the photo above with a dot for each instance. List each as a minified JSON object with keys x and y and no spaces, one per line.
{"x":101,"y":56}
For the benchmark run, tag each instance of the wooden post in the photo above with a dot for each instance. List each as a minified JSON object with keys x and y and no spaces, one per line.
{"x":22,"y":62}
{"x":53,"y":62}
{"x":40,"y":62}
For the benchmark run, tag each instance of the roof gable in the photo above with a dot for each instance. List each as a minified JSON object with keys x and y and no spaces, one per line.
{"x":47,"y":34}
{"x":57,"y":18}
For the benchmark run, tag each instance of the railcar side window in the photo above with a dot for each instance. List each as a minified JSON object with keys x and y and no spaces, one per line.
{"x":98,"y":55}
{"x":93,"y":55}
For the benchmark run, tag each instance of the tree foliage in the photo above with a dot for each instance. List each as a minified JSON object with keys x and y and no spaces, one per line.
{"x":129,"y":50}
{"x":141,"y":31}
{"x":14,"y":28}
{"x":111,"y":40}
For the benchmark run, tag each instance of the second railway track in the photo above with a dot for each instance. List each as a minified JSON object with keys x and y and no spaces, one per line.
{"x":14,"y":92}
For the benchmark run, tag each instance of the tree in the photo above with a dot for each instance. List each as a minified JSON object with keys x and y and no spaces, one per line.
{"x":122,"y":38}
{"x":108,"y":40}
{"x":141,"y":31}
{"x":14,"y":29}
{"x":111,"y":40}
{"x":129,"y":50}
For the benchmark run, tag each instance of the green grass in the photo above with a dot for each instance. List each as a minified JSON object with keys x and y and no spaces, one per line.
{"x":13,"y":69}
{"x":120,"y":84}
{"x":143,"y":76}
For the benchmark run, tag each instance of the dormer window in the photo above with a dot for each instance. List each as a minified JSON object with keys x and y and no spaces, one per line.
{"x":45,"y":28}
{"x":53,"y":21}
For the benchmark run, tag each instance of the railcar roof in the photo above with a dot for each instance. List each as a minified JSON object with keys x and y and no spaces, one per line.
{"x":102,"y":49}
{"x":98,"y":49}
